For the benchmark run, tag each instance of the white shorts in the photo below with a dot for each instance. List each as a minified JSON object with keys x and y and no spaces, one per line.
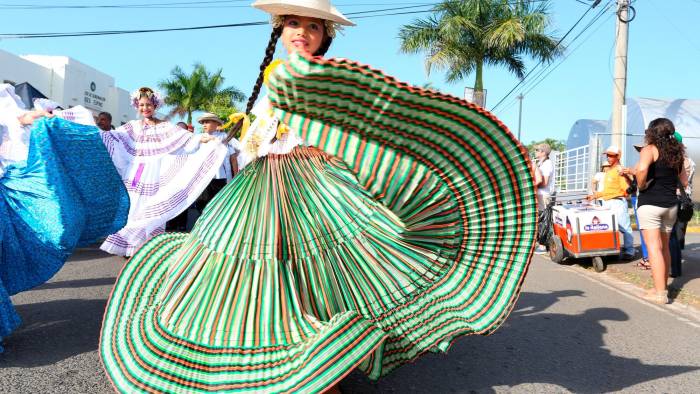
{"x":652,"y":217}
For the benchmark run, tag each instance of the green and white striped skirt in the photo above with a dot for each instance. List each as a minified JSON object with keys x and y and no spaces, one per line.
{"x":408,"y":221}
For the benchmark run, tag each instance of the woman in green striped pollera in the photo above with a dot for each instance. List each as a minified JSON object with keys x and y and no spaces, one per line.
{"x":373,"y":221}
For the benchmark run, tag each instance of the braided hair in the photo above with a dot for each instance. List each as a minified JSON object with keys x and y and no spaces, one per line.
{"x":269,"y":54}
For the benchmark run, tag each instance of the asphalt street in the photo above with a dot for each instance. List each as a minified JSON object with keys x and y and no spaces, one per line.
{"x":572,"y":330}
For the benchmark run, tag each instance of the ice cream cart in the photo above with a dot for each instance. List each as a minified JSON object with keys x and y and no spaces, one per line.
{"x":582,"y":231}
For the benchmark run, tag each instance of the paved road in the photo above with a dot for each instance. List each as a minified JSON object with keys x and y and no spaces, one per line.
{"x":571,"y":331}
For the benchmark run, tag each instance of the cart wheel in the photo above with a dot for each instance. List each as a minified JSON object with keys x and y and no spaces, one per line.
{"x":598,"y":264}
{"x":556,"y":249}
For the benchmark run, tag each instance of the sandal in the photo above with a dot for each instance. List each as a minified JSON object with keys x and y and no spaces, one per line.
{"x":643,"y":265}
{"x":657,"y":297}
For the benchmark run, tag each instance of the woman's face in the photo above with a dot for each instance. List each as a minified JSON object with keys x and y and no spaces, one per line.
{"x":146,"y":108}
{"x":540,"y":153}
{"x":302,"y":34}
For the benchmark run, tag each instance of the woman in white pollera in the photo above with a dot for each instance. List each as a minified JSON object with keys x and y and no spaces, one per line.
{"x":163,"y":167}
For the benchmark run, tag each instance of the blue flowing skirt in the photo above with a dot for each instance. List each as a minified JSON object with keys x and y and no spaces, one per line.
{"x":67,"y":194}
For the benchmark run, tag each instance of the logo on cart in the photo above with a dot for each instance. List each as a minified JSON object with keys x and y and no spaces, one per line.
{"x":569,"y":230}
{"x":596,"y":225}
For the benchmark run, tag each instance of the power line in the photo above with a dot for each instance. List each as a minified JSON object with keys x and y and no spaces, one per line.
{"x":542,"y":61}
{"x":197,"y":4}
{"x":531,"y":84}
{"x":543,"y":73}
{"x":79,"y":6}
{"x":187,"y":4}
{"x":360,"y":15}
{"x":596,"y":19}
{"x":675,"y":26}
{"x":392,"y":14}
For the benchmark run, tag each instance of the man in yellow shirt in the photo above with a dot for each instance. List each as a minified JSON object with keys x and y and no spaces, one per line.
{"x":614,"y":196}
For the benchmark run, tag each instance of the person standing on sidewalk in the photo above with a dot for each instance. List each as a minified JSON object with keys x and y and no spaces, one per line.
{"x":211,"y":124}
{"x":544,"y":180}
{"x":598,"y":182}
{"x":677,"y":239}
{"x":658,"y":173}
{"x":644,"y":264}
{"x":614,"y":197}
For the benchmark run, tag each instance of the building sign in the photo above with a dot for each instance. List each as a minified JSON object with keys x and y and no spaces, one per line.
{"x":92,"y":99}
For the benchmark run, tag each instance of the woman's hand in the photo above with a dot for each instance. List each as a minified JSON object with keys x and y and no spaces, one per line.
{"x":29,"y":117}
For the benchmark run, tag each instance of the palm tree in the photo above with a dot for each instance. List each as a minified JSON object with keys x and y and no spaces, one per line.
{"x":464,"y":35}
{"x":187,"y":93}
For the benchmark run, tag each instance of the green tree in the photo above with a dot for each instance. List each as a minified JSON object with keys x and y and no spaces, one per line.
{"x":223,"y":105}
{"x":197,"y":91}
{"x":462,"y":36}
{"x":556,"y":145}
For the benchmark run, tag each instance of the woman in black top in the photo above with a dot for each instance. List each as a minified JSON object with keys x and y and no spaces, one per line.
{"x":659,"y":170}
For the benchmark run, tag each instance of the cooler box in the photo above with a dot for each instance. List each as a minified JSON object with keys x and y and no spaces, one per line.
{"x":586,"y":230}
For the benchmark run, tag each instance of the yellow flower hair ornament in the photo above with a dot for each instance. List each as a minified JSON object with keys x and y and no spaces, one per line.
{"x":233,"y":119}
{"x":270,"y":68}
{"x":282,"y":129}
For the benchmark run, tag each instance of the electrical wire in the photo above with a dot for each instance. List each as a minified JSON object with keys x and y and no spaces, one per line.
{"x":357,"y":15}
{"x":675,"y":26}
{"x":602,"y":13}
{"x":543,"y":73}
{"x":188,"y":4}
{"x":542,"y":61}
{"x":195,"y":4}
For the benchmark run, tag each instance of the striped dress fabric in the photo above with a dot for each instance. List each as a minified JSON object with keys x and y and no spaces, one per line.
{"x":408,"y":220}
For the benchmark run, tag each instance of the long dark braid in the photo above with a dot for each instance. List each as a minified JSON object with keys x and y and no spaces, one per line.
{"x":269,"y":54}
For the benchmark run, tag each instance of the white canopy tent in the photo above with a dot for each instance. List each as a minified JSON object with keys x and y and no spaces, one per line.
{"x":684,"y":113}
{"x":582,"y":130}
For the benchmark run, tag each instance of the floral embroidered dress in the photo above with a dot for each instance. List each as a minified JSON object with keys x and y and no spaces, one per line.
{"x":164,"y":168}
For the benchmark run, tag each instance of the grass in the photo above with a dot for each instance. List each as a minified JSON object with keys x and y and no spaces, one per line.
{"x":643,"y":280}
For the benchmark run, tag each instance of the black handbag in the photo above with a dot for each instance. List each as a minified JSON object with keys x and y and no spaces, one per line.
{"x":685,"y":206}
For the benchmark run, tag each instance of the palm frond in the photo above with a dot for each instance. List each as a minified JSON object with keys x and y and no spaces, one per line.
{"x":461,"y":34}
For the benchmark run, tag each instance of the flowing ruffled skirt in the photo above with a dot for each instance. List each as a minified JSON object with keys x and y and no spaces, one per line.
{"x":66,"y":194}
{"x":365,"y":250}
{"x":163,"y":173}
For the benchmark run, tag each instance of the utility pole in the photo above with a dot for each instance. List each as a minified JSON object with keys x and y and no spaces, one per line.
{"x":520,"y":114}
{"x":620,"y":79}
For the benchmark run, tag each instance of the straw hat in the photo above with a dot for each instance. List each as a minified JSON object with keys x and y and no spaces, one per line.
{"x":321,"y":9}
{"x":209,"y":116}
{"x":612,"y":150}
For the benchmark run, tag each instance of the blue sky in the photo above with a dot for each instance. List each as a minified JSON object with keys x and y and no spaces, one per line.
{"x":664,"y":52}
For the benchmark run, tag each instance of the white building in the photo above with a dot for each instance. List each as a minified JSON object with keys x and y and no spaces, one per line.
{"x":69,"y":83}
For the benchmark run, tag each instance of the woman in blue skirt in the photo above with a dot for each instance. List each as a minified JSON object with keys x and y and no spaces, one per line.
{"x":58,"y":190}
